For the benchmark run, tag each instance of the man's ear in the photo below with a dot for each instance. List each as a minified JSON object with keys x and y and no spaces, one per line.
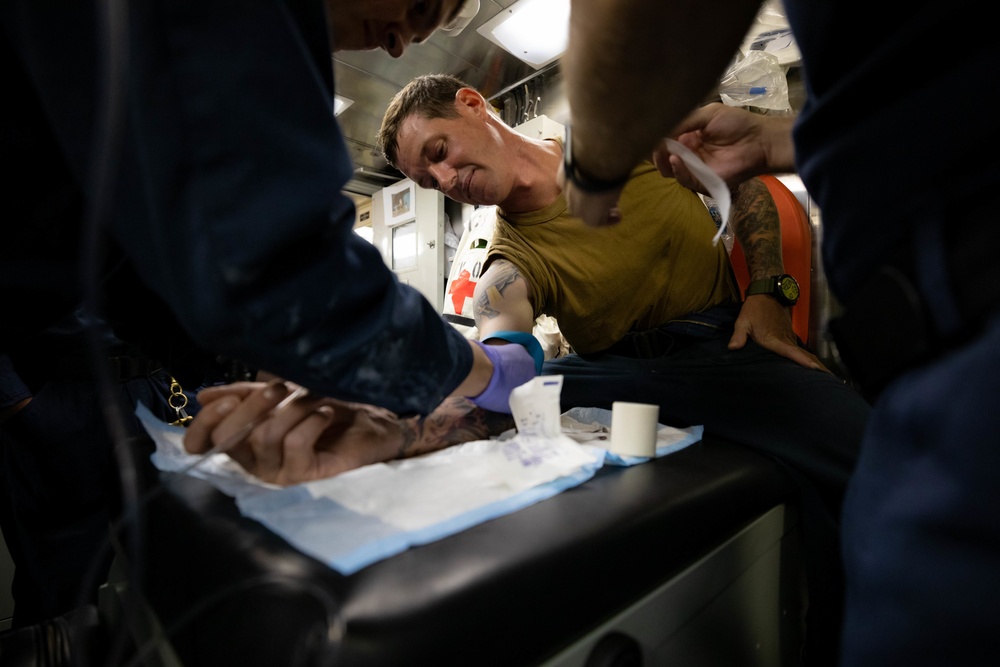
{"x":470,"y":98}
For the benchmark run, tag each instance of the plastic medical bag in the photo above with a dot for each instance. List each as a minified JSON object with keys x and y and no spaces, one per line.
{"x":756,"y":80}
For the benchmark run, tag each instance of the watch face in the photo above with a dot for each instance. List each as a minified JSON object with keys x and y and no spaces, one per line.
{"x":789,"y":288}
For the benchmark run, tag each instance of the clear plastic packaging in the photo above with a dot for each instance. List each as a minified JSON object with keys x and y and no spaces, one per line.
{"x":756,"y":80}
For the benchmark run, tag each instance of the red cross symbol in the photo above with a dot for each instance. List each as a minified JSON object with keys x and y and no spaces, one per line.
{"x":460,"y":288}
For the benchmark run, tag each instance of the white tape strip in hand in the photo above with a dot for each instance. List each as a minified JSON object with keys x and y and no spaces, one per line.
{"x":716,"y":187}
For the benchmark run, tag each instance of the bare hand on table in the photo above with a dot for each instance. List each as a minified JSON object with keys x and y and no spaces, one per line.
{"x":309,"y":438}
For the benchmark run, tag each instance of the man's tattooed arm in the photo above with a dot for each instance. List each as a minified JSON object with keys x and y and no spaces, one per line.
{"x":503,"y":299}
{"x":755,"y":222}
{"x":453,"y":422}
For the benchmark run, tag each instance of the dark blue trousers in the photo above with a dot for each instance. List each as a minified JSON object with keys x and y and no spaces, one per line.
{"x":922,"y":517}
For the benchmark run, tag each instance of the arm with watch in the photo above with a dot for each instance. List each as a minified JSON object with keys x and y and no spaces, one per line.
{"x":593,"y":199}
{"x":766,"y":316}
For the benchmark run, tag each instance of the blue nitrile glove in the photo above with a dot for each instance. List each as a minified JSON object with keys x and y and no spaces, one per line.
{"x":526,"y":340}
{"x":512,"y":367}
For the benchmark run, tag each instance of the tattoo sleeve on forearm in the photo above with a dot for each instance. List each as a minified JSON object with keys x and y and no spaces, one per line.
{"x":500,"y":276}
{"x":757,"y":227}
{"x":455,"y":421}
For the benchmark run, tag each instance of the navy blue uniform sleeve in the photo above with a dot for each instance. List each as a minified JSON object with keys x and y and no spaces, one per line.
{"x":228,"y":195}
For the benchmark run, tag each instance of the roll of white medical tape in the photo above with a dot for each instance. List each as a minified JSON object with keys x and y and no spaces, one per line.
{"x":633,"y":428}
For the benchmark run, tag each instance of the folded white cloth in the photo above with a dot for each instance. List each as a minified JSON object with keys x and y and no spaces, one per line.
{"x":368,"y":514}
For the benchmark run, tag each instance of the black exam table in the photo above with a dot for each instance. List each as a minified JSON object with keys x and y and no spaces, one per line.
{"x":691,"y":559}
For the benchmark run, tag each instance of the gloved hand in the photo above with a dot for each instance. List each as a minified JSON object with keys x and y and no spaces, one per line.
{"x":512,"y":367}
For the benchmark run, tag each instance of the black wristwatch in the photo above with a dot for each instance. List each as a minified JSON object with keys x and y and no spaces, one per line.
{"x":784,"y":288}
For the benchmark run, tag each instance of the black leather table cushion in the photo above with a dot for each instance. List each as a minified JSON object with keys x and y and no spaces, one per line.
{"x":511,"y":591}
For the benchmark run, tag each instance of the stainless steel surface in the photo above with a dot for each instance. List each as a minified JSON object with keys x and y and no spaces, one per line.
{"x":371,"y":78}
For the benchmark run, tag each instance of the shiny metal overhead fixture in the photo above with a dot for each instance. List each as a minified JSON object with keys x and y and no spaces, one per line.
{"x":465,"y":15}
{"x":340,"y":103}
{"x":536,"y":31}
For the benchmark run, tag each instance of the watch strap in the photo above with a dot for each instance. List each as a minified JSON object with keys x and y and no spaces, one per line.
{"x":581,"y":179}
{"x":762,"y":286}
{"x":773,"y":285}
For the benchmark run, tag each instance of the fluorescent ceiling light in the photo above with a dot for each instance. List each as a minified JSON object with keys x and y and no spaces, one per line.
{"x":536,"y":31}
{"x":340,"y":103}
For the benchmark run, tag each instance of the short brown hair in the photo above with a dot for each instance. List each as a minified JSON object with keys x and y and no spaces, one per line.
{"x":430,"y":95}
